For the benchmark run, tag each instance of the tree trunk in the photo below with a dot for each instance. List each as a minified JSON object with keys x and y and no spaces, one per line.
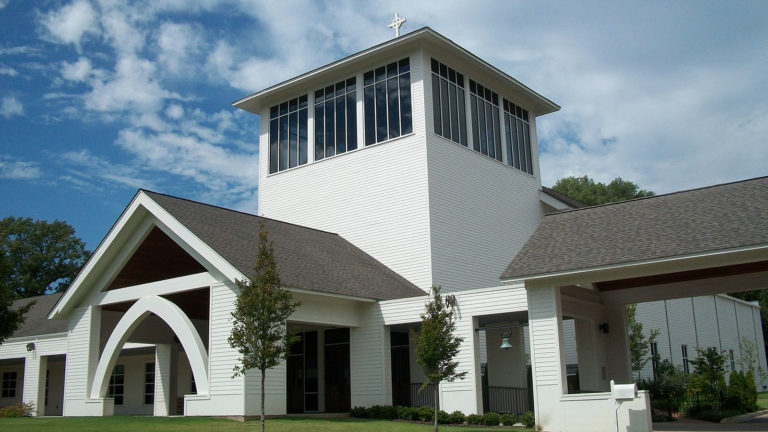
{"x":437,"y":389}
{"x":263,"y":374}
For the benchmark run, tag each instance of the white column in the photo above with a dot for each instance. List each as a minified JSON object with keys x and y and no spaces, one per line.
{"x":82,"y":357}
{"x":545,"y":323}
{"x":34,"y":381}
{"x":465,"y":395}
{"x":619,"y":367}
{"x":162,"y":380}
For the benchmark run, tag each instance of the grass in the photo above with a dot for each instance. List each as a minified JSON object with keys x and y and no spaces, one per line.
{"x":179,"y":424}
{"x":762,"y":400}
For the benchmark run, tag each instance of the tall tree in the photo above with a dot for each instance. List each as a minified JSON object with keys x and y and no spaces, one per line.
{"x":589,"y":192}
{"x":639,"y":345}
{"x":41,"y":257}
{"x":10,"y":318}
{"x":436,"y":345}
{"x":259,"y":332}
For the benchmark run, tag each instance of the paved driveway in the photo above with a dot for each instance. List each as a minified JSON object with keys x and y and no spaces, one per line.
{"x":756,"y":424}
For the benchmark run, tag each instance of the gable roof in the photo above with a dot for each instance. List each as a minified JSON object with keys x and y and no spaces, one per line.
{"x":253,"y":103}
{"x":563,"y":198}
{"x":715,"y":218}
{"x":306,"y":258}
{"x":35,"y":321}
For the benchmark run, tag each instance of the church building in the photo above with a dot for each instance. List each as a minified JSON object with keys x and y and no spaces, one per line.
{"x":408,"y":165}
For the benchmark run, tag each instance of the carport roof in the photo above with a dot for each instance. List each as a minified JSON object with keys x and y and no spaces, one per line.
{"x":716,"y":218}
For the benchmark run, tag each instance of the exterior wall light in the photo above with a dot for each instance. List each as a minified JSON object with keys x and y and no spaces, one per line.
{"x":30,"y":346}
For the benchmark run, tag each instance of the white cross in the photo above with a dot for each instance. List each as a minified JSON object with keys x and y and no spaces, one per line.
{"x":396,"y":23}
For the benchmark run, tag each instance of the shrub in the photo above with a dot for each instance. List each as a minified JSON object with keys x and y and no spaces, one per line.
{"x":491,"y":419}
{"x":426,"y":413}
{"x":475,"y":419}
{"x":741,"y":394}
{"x":21,"y":409}
{"x":359,"y":412}
{"x":508,"y":419}
{"x":384,"y":412}
{"x":457,"y":417}
{"x":403,"y":413}
{"x":443,"y":417}
{"x":528,"y":419}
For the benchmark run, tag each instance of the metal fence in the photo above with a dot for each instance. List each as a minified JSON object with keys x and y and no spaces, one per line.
{"x":424,"y":397}
{"x":508,"y":399}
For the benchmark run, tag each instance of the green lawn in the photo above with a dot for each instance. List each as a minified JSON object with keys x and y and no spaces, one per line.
{"x":186,"y":424}
{"x":762,"y":400}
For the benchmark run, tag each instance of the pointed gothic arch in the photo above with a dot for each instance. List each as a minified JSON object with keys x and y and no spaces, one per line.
{"x":179,"y":323}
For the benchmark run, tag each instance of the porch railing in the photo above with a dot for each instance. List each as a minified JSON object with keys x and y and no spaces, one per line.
{"x":424,"y":397}
{"x":508,"y":399}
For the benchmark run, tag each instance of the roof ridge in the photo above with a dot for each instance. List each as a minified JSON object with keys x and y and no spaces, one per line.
{"x":656,"y":196}
{"x":236,"y":211}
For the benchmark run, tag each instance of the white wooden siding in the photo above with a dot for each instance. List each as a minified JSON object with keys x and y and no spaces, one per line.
{"x":82,"y":353}
{"x":222,"y":357}
{"x":370,"y":359}
{"x":375,"y":197}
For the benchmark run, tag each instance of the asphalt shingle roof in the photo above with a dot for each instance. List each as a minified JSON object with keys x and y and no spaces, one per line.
{"x":36,"y":321}
{"x":714,"y":218}
{"x":306,"y":258}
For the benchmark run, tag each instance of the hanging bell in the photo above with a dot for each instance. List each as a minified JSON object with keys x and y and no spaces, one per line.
{"x":505,"y":341}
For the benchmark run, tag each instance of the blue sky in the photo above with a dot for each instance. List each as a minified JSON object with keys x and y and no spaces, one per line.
{"x":99,"y":98}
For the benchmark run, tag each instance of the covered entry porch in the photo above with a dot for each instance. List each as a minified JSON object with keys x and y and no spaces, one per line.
{"x":590,"y":263}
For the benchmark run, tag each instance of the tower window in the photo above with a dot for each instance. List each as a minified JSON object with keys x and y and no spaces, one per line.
{"x":335,"y":119}
{"x":448,"y":106}
{"x":288,"y":134}
{"x":387,"y":102}
{"x":518,"y":137}
{"x":486,"y":132}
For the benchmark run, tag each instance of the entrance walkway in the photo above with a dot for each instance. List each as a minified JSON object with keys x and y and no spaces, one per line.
{"x":756,"y":424}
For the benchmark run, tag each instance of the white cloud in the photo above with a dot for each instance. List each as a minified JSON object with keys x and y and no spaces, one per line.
{"x":12,"y":168}
{"x":77,"y":71}
{"x":87,"y":170}
{"x":133,"y":87}
{"x":174,"y":111}
{"x":71,"y":23}
{"x":10,"y":106}
{"x":6,"y":70}
{"x":178,"y":45}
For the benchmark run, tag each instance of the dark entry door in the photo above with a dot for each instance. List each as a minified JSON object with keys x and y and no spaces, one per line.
{"x":337,"y":381}
{"x":401,"y":370}
{"x":295,"y":378}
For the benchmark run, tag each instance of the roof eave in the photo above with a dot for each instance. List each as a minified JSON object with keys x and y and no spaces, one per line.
{"x":751,"y":253}
{"x":252,"y":103}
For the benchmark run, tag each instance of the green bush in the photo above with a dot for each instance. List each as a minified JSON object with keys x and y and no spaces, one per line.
{"x":21,"y":409}
{"x":741,"y":394}
{"x":528,"y":419}
{"x":475,"y":419}
{"x":457,"y":417}
{"x":426,"y":413}
{"x":491,"y":419}
{"x":508,"y":419}
{"x":359,"y":412}
{"x":403,"y":413}
{"x":443,"y":417}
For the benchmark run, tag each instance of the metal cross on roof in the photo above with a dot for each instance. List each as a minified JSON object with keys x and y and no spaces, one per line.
{"x":396,"y":23}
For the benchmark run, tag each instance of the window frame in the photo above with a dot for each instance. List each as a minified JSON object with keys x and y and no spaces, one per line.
{"x":340,"y":94}
{"x":485,"y":110}
{"x":376,"y":85}
{"x":149,"y":381}
{"x":9,"y":384}
{"x":113,"y":385}
{"x":282,"y":138}
{"x":520,"y":147}
{"x":448,"y":84}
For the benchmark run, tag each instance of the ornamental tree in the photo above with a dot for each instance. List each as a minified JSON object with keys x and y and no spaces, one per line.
{"x":639,"y":345}
{"x":436,"y":345}
{"x":259,"y":331}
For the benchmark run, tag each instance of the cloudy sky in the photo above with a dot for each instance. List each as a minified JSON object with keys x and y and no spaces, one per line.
{"x":99,"y":98}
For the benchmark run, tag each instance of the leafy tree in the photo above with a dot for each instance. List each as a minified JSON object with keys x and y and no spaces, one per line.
{"x":708,"y":375}
{"x":10,"y":318}
{"x":587,"y":191}
{"x":639,"y":345}
{"x":40,"y":257}
{"x":436,"y":345}
{"x":259,"y":331}
{"x":749,"y":360}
